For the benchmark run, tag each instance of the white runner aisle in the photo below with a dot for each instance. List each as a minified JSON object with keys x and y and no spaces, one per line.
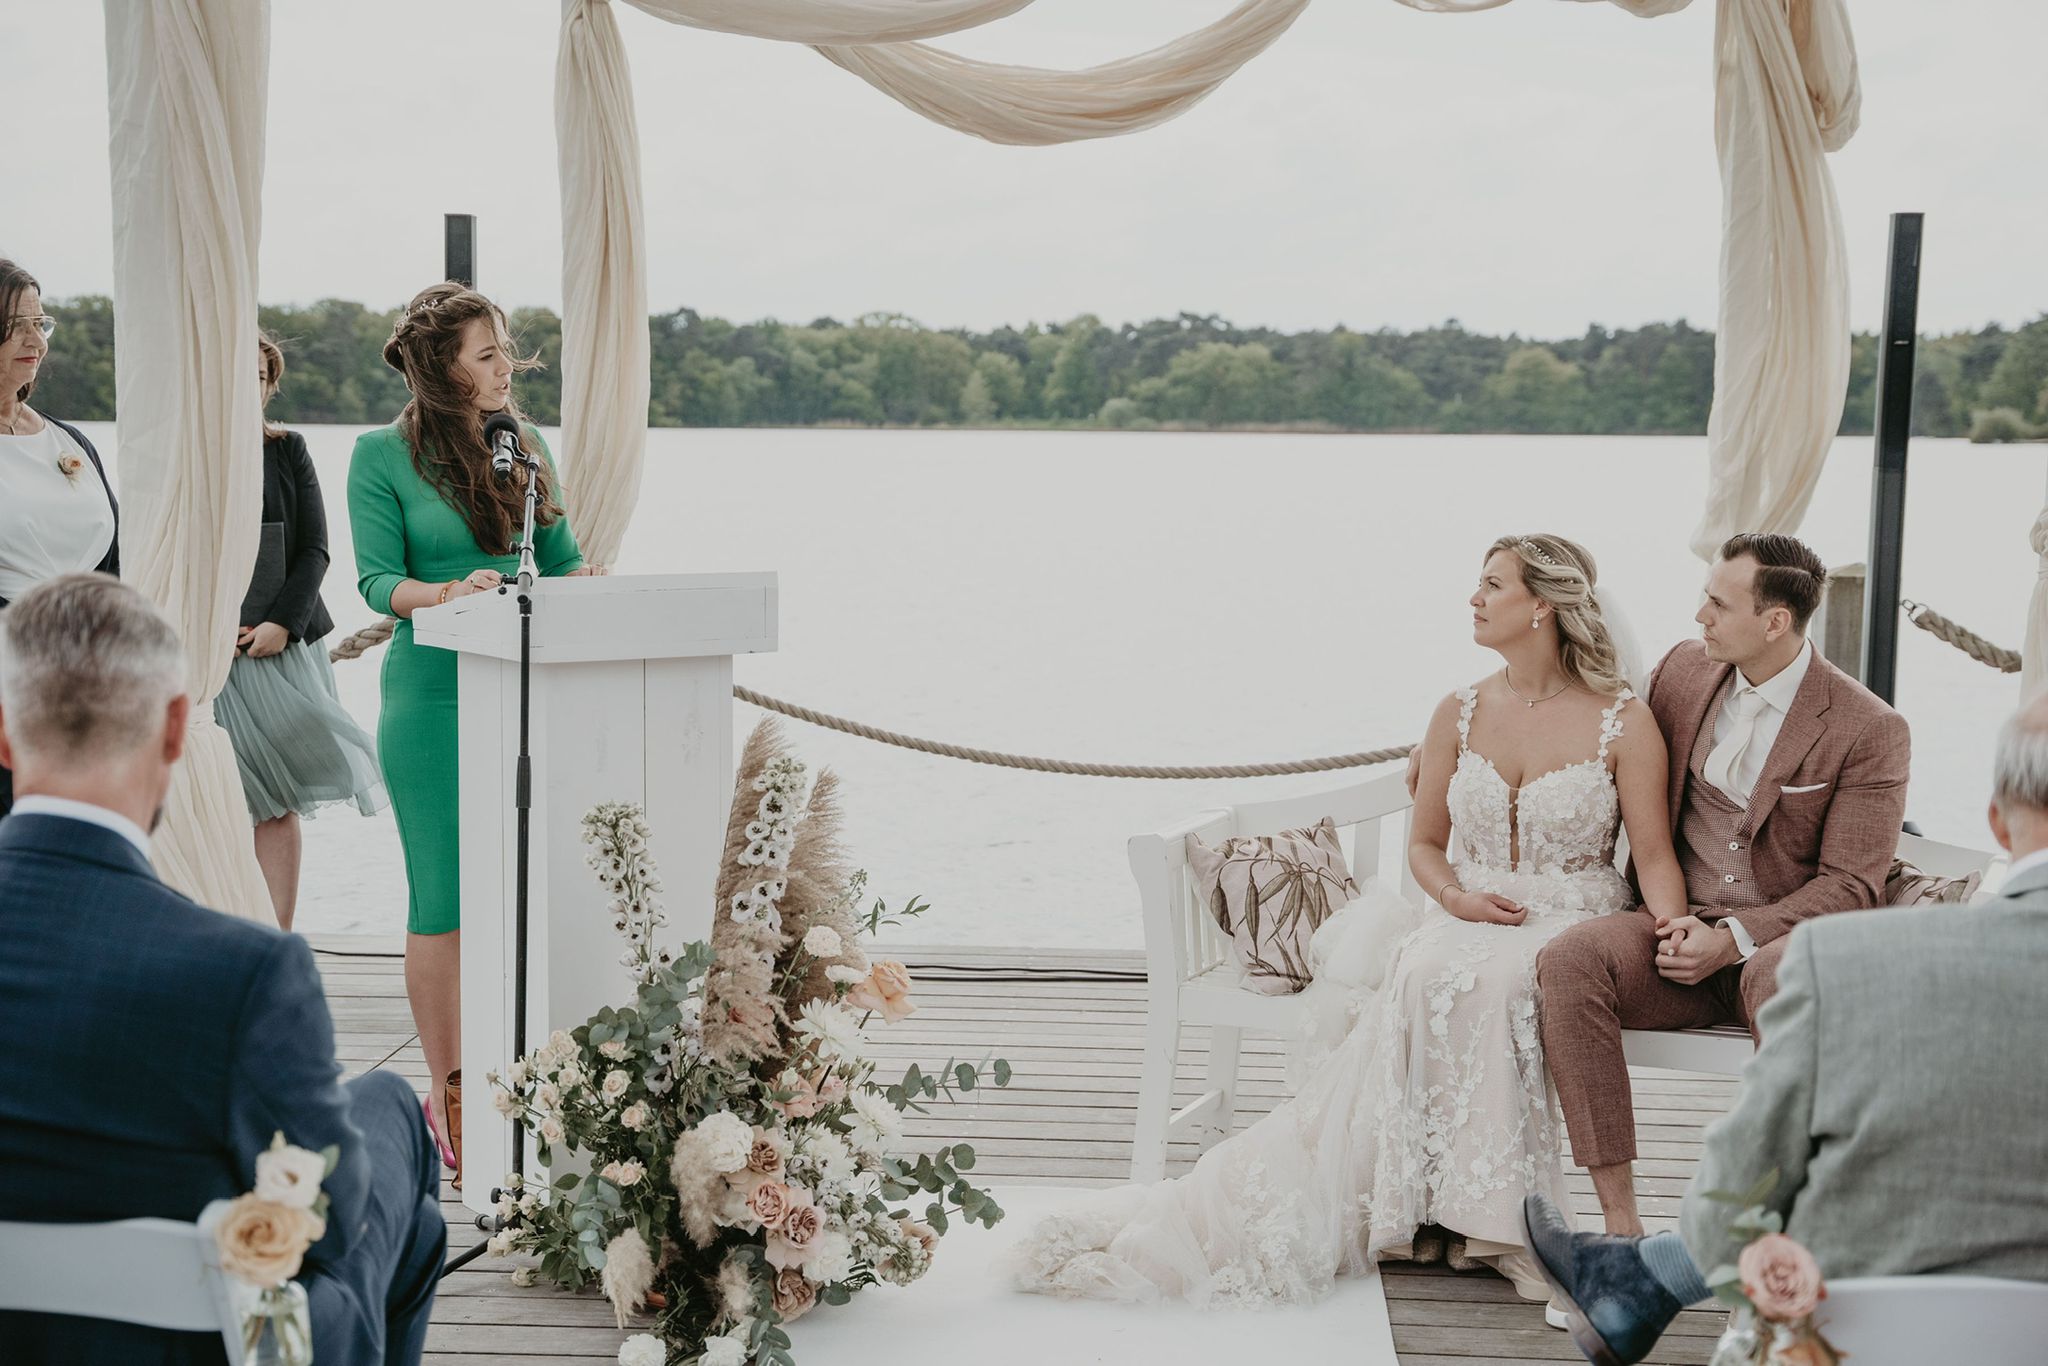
{"x":965,"y":1311}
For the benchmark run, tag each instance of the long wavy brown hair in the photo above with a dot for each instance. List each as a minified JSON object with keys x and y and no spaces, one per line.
{"x":442,"y":425}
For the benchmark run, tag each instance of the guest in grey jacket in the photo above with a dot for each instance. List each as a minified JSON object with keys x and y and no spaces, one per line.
{"x":1898,"y":1094}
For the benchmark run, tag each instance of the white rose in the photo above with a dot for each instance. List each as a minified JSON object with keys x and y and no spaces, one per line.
{"x":504,"y":1103}
{"x":571,"y":1076}
{"x":623,"y":1174}
{"x":519,"y":1074}
{"x":724,"y":1351}
{"x":289,"y":1176}
{"x":525,"y":1275}
{"x":547,"y":1097}
{"x":727,"y":1141}
{"x":503,"y":1244}
{"x":637,"y":1116}
{"x":529,"y":1204}
{"x":643,"y":1349}
{"x":613,"y":1049}
{"x":615,"y":1083}
{"x":833,"y":1260}
{"x":551,"y":1130}
{"x":822,"y":942}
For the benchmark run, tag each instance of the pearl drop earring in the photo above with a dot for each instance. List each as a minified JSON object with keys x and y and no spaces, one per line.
{"x":1536,"y":621}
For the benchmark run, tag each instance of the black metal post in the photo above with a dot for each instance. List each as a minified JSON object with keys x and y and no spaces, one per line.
{"x":1888,"y":478}
{"x":458,"y":248}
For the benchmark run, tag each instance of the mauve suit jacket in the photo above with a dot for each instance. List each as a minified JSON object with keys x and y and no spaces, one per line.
{"x":1811,"y":853}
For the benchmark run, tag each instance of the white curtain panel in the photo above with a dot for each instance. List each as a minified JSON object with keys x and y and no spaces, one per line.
{"x":1785,"y":94}
{"x":832,"y":21}
{"x":2034,"y":652}
{"x":1034,"y":106}
{"x":604,"y":280}
{"x":186,"y":85}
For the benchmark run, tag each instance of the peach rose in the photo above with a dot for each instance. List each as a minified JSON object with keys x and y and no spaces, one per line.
{"x":263,"y":1242}
{"x":886,"y":988}
{"x":766,"y":1157}
{"x":808,"y":1095}
{"x":1809,"y":1350}
{"x":1781,"y":1278}
{"x":794,"y":1294}
{"x":922,"y":1233}
{"x":770,"y":1202}
{"x":796,"y":1242}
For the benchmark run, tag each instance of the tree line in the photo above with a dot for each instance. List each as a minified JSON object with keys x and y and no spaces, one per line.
{"x":1191,"y":372}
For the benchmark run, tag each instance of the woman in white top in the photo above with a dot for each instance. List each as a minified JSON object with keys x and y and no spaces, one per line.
{"x":57,"y":511}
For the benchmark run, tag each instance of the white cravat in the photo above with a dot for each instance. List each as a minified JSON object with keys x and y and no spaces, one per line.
{"x":1733,"y":742}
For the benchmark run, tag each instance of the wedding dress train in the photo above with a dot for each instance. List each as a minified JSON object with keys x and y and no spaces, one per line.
{"x":1433,"y":1108}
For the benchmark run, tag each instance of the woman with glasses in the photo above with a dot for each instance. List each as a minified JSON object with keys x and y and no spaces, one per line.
{"x":57,"y":510}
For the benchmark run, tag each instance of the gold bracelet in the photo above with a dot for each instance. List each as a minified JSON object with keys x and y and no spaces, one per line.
{"x":445,"y":589}
{"x":1440,"y":892}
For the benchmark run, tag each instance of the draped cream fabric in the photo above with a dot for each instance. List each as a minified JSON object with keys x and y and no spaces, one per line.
{"x":604,"y":279}
{"x":186,"y":83}
{"x":1031,"y":106}
{"x":2034,"y":652}
{"x":1785,"y":93}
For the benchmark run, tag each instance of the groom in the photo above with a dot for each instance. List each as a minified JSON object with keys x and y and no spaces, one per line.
{"x":1787,"y":790}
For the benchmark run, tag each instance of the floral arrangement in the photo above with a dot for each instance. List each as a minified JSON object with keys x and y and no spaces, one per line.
{"x":262,"y":1241}
{"x":69,"y":465}
{"x":1775,"y":1287}
{"x":744,"y":1164}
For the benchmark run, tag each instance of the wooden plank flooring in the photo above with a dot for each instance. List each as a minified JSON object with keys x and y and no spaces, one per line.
{"x":1066,"y":1119}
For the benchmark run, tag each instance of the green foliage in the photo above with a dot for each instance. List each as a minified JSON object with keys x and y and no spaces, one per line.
{"x":1189,"y":371}
{"x":2003,"y":424}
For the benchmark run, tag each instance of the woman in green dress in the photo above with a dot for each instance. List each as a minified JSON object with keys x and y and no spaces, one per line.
{"x":431,"y":523}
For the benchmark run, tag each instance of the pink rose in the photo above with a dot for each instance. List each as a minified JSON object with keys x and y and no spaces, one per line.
{"x":770,"y":1202}
{"x":1781,"y":1278}
{"x":794,"y":1294}
{"x":886,"y":988}
{"x":766,"y":1157}
{"x":920,"y":1232}
{"x":796,"y":1242}
{"x":832,"y":1091}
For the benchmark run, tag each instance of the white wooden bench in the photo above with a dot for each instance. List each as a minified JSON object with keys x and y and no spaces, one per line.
{"x":1192,"y":974}
{"x":155,"y":1272}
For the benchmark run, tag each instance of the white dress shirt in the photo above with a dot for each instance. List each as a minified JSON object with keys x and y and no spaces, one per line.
{"x":1776,"y":697}
{"x":1774,"y":700}
{"x":2023,"y":863}
{"x":87,"y":812}
{"x":51,"y":523}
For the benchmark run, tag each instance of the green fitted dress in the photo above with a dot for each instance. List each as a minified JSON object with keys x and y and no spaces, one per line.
{"x":404,"y":529}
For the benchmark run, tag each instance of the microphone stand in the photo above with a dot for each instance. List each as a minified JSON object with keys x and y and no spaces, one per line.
{"x":523,"y":804}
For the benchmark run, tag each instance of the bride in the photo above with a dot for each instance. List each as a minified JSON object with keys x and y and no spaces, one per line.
{"x":1434,"y":1111}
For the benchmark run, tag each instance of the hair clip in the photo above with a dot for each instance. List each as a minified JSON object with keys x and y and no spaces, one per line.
{"x":1537,"y":553}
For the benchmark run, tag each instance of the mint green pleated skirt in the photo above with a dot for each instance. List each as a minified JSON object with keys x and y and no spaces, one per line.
{"x":296,"y":745}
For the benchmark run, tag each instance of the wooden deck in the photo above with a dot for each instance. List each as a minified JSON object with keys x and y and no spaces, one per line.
{"x":1066,"y":1119}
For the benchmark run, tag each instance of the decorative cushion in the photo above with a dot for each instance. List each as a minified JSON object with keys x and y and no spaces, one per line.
{"x":1908,"y":886}
{"x":1269,"y":893}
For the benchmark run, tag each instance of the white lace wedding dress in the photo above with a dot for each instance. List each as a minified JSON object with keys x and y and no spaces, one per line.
{"x":1433,"y":1109}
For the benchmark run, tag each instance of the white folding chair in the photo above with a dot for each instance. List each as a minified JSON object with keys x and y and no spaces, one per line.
{"x":1913,"y":1320}
{"x":156,"y":1272}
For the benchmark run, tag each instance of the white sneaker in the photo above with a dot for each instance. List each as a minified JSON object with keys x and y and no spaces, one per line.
{"x":1555,"y":1317}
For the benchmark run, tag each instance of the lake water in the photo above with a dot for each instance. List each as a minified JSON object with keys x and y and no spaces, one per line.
{"x":1177,"y":599}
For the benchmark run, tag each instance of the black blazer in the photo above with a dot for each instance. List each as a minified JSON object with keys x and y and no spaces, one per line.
{"x":291,"y":494}
{"x":111,"y":564}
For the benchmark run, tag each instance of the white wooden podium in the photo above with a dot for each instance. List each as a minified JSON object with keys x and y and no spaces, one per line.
{"x":630,"y":699}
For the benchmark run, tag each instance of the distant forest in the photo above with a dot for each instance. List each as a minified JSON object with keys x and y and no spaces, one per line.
{"x":1184,"y":373}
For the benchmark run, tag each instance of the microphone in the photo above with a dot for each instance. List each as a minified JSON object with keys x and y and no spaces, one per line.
{"x":501,"y":436}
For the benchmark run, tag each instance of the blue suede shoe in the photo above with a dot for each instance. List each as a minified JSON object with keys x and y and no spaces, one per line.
{"x":1616,"y":1307}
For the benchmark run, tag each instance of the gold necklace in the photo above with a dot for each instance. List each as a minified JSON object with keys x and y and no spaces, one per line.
{"x":1509,"y":679}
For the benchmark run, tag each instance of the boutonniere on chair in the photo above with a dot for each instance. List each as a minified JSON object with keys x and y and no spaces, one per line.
{"x":263,"y":1240}
{"x":69,"y":464}
{"x":1775,"y":1287}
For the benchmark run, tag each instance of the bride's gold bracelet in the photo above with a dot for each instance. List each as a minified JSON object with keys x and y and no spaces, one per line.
{"x":1440,"y":893}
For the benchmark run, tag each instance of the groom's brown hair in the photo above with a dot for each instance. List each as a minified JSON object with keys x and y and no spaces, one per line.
{"x":1788,"y":573}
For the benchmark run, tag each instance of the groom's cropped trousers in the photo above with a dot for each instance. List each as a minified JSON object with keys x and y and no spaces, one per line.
{"x":1599,"y":978}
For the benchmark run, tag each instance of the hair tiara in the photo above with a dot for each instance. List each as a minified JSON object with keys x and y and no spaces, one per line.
{"x":1538,"y":553}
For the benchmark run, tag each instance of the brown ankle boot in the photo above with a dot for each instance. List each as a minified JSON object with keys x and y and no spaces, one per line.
{"x":451,"y":1105}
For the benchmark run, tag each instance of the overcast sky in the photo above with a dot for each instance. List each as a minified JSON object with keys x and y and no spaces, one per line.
{"x":1532,"y":169}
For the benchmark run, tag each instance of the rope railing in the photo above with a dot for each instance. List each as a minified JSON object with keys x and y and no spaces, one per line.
{"x":355,"y":646}
{"x":1963,"y":638}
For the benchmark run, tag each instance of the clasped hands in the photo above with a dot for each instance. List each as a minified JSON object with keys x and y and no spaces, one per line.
{"x":260,"y":642}
{"x":1689,"y":950}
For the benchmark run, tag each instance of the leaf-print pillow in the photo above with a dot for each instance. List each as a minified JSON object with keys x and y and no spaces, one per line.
{"x":1269,"y":893}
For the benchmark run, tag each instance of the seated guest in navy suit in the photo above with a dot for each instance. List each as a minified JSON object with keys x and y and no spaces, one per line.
{"x":153,"y":1047}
